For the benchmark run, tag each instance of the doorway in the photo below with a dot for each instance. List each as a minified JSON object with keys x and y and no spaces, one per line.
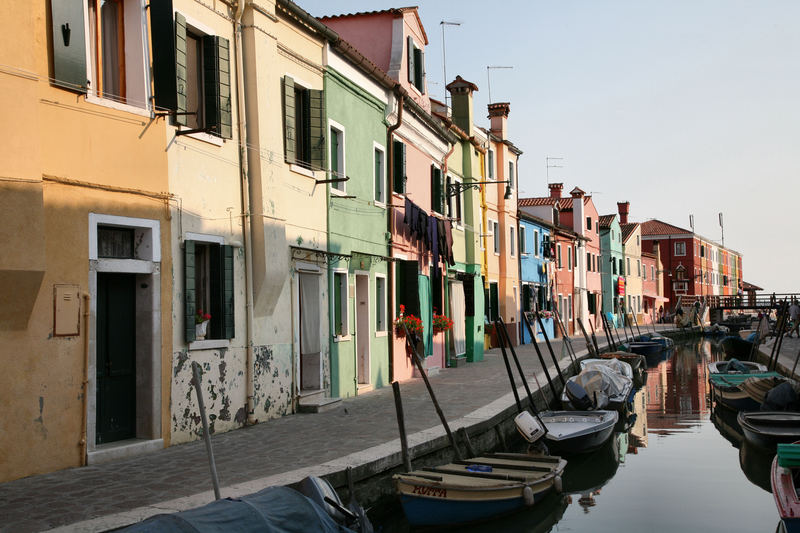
{"x":362,"y":328}
{"x":310,"y":315}
{"x":116,"y":357}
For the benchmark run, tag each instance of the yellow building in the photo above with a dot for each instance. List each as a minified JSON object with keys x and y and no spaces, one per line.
{"x":85,"y":325}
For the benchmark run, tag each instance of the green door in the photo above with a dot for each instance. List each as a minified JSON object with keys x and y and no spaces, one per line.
{"x":116,"y":357}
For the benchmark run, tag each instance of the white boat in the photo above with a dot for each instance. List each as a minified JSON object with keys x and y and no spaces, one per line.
{"x":598,"y":387}
{"x":618,"y":366}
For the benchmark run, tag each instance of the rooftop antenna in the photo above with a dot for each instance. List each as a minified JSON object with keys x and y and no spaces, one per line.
{"x":444,"y":56}
{"x":489,"y":78}
{"x":691,"y":222}
{"x":548,"y":165}
{"x":722,"y":226}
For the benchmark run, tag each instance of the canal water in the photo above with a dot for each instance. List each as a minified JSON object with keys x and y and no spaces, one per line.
{"x":681,"y":467}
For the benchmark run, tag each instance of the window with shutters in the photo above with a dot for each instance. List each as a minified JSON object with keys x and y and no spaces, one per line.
{"x":208,"y":287}
{"x":588,"y":261}
{"x":304,"y":125}
{"x":613,"y":266}
{"x":416,"y":66}
{"x":453,"y":200}
{"x":341,"y":329}
{"x":569,"y":258}
{"x":523,"y":246}
{"x":379,"y":173}
{"x":536,"y":243}
{"x":511,"y":241}
{"x":380,"y":304}
{"x":437,"y":190}
{"x":490,"y":164}
{"x":512,"y":175}
{"x":336,"y":156}
{"x":495,"y":236}
{"x":399,"y":167}
{"x":628,"y":266}
{"x":558,"y":256}
{"x":588,"y":223}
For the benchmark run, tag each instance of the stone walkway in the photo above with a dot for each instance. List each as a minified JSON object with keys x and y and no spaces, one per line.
{"x":280,"y":451}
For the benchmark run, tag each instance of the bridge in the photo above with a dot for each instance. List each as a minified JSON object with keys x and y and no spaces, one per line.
{"x":750,"y":301}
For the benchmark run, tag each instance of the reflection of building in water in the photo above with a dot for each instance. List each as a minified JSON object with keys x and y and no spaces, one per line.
{"x":638,"y":435}
{"x":678,"y":386}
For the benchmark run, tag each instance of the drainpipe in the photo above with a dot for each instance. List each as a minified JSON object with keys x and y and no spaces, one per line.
{"x":446,"y":286}
{"x":85,"y":383}
{"x":390,"y":271}
{"x":245,"y":199}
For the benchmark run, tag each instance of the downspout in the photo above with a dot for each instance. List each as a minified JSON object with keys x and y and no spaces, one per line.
{"x":85,"y":383}
{"x":390,"y":224}
{"x":446,"y":286}
{"x":245,"y":198}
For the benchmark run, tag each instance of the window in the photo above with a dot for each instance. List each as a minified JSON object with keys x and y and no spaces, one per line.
{"x":340,"y":296}
{"x":491,"y":164}
{"x":558,"y":255}
{"x":569,"y":257}
{"x":628,"y":265}
{"x":638,"y":268}
{"x":637,"y":240}
{"x":511,"y":241}
{"x":511,"y":175}
{"x":569,"y":307}
{"x":336,"y":156}
{"x":597,"y":226}
{"x":303,"y":125}
{"x":523,"y":246}
{"x":114,"y":242}
{"x":644,"y":273}
{"x":379,"y":168}
{"x":702,"y":251}
{"x":481,"y":236}
{"x":416,"y":66}
{"x":652,"y":272}
{"x":612,"y":234}
{"x":613,"y":266}
{"x":208,"y":286}
{"x":380,"y":303}
{"x":588,"y":223}
{"x":621,"y":267}
{"x":680,"y":248}
{"x":453,"y":201}
{"x":399,"y":167}
{"x":437,"y":190}
{"x":496,"y":237}
{"x":588,"y":261}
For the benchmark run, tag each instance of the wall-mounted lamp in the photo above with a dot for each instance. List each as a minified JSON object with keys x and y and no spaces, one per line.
{"x":457,"y":188}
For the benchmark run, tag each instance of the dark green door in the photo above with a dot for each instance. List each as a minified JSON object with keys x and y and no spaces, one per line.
{"x":116,"y":357}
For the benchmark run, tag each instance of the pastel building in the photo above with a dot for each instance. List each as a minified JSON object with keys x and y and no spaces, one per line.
{"x":612,"y":267}
{"x":535,"y":266}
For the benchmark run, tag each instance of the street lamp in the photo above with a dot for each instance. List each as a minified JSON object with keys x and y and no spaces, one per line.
{"x":456,"y":188}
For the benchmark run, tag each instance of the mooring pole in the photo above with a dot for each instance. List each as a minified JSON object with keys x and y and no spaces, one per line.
{"x":539,"y":353}
{"x":521,"y":373}
{"x":401,"y":424}
{"x":206,"y":436}
{"x":552,"y":353}
{"x":418,"y":361}
{"x":589,"y":345}
{"x":501,"y":340}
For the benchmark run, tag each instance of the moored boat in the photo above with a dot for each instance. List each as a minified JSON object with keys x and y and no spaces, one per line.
{"x":783,"y":475}
{"x":666,"y":342}
{"x":477,"y":489}
{"x":644,"y":348}
{"x":735,"y":346}
{"x":730,"y":389}
{"x":734,"y":366}
{"x":769,"y":428}
{"x":574,"y":432}
{"x":597,"y":388}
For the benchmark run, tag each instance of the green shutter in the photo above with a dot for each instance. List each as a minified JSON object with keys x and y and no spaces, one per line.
{"x":217,"y":85}
{"x":289,"y":127}
{"x":378,"y":181}
{"x":189,"y":307}
{"x":440,"y":189}
{"x":526,"y":297}
{"x":419,"y":69}
{"x":494,"y":302}
{"x":407,"y":288}
{"x":335,"y":158}
{"x":228,"y":330}
{"x":317,"y":129}
{"x":69,"y":44}
{"x":411,"y":58}
{"x":337,"y":305}
{"x":426,"y":313}
{"x":180,"y":69}
{"x":399,"y":167}
{"x":162,"y":35}
{"x":437,"y":196}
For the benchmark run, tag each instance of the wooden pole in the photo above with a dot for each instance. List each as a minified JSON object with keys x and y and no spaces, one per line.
{"x":566,"y":339}
{"x":795,"y":363}
{"x":594,"y":338}
{"x":589,"y":346}
{"x":401,"y":424}
{"x":501,"y":340}
{"x":609,"y":336}
{"x":418,"y":361}
{"x":206,"y":436}
{"x":552,"y":353}
{"x":539,"y":353}
{"x":521,"y":373}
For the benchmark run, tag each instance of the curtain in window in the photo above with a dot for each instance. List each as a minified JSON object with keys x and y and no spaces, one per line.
{"x":426,"y":313}
{"x":457,"y":306}
{"x":309,"y":314}
{"x":110,"y":15}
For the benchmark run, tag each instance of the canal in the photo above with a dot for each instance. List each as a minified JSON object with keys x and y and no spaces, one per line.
{"x":680,"y":467}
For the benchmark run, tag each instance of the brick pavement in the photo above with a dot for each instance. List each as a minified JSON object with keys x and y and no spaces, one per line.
{"x":291,"y":445}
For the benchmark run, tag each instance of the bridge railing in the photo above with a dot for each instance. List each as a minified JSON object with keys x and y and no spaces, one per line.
{"x":746,"y":301}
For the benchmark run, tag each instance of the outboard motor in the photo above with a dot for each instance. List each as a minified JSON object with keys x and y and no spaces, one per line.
{"x":529,"y":427}
{"x":322,"y":493}
{"x":578,"y":397}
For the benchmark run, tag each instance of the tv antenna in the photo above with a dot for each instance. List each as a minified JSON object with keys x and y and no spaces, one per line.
{"x":549,"y":164}
{"x":489,"y":79}
{"x":444,"y":56}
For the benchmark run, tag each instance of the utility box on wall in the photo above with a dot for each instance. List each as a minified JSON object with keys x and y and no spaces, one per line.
{"x":66,"y":310}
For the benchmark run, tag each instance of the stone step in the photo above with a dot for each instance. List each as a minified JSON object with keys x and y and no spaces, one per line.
{"x":316,"y":403}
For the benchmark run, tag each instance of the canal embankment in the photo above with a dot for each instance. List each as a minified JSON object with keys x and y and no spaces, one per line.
{"x":362,"y":434}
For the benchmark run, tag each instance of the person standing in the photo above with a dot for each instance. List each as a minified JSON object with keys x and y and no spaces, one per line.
{"x":794,"y":316}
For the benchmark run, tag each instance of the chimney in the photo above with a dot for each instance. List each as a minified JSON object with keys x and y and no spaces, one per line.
{"x":555,"y":189}
{"x":577,"y":193}
{"x":623,"y":208}
{"x":498,"y":114}
{"x":461,"y":100}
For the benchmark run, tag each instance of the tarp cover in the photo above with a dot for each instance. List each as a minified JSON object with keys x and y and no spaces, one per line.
{"x":603,"y":382}
{"x":272,"y":510}
{"x":620,"y":367}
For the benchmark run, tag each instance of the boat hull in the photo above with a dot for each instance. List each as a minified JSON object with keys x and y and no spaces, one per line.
{"x":561,"y":441}
{"x":785,"y":494}
{"x":735,"y":346}
{"x":645,"y":348}
{"x":769,"y":428}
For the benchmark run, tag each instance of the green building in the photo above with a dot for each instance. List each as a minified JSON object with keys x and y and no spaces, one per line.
{"x":613,"y":266}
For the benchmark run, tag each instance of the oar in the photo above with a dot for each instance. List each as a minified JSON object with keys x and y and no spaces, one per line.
{"x":795,"y":362}
{"x":589,"y":345}
{"x":521,"y":373}
{"x":550,"y":348}
{"x":636,"y":322}
{"x":538,"y":352}
{"x":566,"y":340}
{"x":501,"y":340}
{"x":609,"y":337}
{"x":594,"y":338}
{"x":418,"y":361}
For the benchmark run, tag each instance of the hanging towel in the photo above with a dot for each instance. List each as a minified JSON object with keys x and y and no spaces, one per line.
{"x":442,"y":241}
{"x":433,"y":233}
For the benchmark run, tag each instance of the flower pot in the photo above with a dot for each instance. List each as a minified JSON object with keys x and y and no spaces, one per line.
{"x":200,"y":330}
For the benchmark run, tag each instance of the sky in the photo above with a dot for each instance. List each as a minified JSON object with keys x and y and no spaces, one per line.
{"x":681,"y":107}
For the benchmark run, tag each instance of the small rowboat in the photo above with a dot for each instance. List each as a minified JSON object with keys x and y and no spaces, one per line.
{"x":477,"y":489}
{"x":620,"y":367}
{"x":597,"y":388}
{"x":644,"y":347}
{"x":784,"y":487}
{"x":734,"y":366}
{"x":735,"y":346}
{"x":731,"y":391}
{"x":572,"y":432}
{"x":666,"y":342}
{"x":769,"y":428}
